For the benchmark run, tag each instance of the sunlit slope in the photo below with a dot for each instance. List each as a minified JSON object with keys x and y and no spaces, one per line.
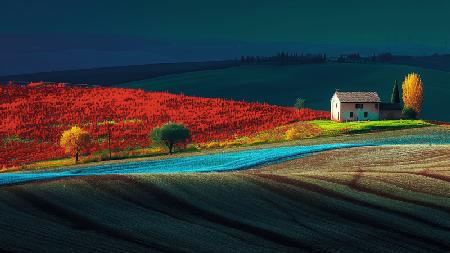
{"x":238,"y":160}
{"x":316,"y":83}
{"x":354,"y":200}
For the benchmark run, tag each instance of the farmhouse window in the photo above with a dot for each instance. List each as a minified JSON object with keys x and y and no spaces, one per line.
{"x":351,"y":114}
{"x":366,"y":114}
{"x":376,"y":106}
{"x":360,"y":106}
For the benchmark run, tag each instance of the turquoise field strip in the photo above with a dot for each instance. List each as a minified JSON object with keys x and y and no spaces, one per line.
{"x":205,"y":163}
{"x":227,"y":161}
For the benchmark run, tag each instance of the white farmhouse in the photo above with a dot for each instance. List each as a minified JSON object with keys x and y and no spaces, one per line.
{"x":353,"y":106}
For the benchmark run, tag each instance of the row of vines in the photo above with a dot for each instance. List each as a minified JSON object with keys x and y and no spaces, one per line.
{"x":34,"y":116}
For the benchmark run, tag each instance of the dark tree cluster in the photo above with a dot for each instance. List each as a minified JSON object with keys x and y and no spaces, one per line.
{"x":357,"y":58}
{"x":285,"y":58}
{"x":350,"y":58}
{"x":383,"y":57}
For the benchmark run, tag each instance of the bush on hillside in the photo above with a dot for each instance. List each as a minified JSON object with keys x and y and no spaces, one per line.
{"x":293,"y":134}
{"x":409,"y":113}
{"x":299,"y":103}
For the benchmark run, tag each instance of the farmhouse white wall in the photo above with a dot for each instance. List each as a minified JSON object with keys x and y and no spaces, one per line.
{"x":342,"y":111}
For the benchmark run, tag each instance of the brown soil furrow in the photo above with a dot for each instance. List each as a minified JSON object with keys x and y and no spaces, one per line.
{"x":398,"y":185}
{"x":323,"y":236}
{"x":356,"y":186}
{"x":104,"y":186}
{"x":292,"y":217}
{"x":355,"y":216}
{"x":431,"y":175}
{"x":172,"y":201}
{"x":77,"y":221}
{"x":333,"y":215}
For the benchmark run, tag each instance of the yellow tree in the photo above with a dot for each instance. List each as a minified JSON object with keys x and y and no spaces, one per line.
{"x":413,"y":92}
{"x":74,"y":141}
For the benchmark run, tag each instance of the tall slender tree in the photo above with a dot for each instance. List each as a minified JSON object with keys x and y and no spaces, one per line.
{"x":395,"y":97}
{"x":413,"y":92}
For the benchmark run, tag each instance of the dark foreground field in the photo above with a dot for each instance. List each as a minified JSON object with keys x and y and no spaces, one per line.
{"x":367,"y":199}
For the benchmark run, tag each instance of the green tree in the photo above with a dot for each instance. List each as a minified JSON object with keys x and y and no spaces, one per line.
{"x":170,"y":134}
{"x":299,"y":103}
{"x":395,"y":97}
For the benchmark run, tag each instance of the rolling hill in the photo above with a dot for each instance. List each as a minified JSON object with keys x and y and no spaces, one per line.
{"x":113,"y":75}
{"x":281,"y":85}
{"x":438,"y":62}
{"x":34,"y":116}
{"x":334,"y":201}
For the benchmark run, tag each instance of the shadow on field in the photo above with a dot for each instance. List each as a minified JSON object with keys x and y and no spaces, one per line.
{"x":216,"y":212}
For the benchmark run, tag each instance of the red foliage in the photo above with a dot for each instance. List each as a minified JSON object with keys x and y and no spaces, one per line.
{"x":34,"y":116}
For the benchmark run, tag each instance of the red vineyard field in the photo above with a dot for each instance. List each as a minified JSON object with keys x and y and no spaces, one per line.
{"x":34,"y":116}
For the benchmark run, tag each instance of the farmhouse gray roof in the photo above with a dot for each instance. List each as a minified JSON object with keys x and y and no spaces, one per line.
{"x":358,"y":97}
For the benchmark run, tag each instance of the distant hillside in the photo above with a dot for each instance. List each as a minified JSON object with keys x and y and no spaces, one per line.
{"x":109,"y":76}
{"x":316,"y":83}
{"x":114,"y":75}
{"x":438,"y":62}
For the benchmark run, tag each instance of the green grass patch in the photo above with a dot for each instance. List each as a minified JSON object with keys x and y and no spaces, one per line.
{"x":333,"y":128}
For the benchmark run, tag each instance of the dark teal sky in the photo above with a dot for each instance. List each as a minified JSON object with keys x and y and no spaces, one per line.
{"x":372,"y":25}
{"x":318,"y":21}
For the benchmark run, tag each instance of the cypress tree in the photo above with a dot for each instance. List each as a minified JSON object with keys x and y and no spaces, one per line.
{"x":395,"y":97}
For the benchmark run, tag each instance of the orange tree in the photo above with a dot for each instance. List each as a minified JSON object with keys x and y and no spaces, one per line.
{"x":413,"y":92}
{"x":75,"y":140}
